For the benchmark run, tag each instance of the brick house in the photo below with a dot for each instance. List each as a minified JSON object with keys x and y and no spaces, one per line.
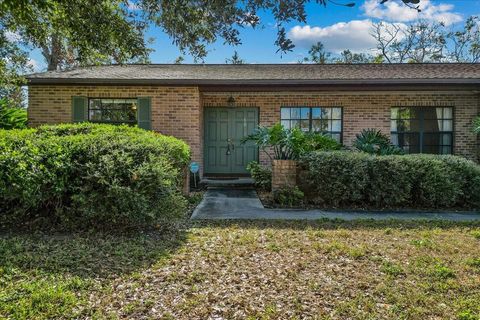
{"x":424,"y":108}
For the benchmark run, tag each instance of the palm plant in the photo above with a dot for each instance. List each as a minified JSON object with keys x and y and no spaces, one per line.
{"x":476,"y":125}
{"x":280,"y":143}
{"x":12,"y":117}
{"x":375,"y":142}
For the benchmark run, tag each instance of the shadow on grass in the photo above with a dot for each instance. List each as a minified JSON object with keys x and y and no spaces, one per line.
{"x":332,"y":224}
{"x":92,"y":255}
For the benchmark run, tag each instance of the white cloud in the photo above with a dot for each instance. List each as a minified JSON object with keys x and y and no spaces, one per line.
{"x":12,"y":36}
{"x":34,"y":64}
{"x":396,"y":11}
{"x":353,"y":35}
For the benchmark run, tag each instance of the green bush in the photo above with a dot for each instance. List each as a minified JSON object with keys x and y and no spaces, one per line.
{"x":360,"y":179}
{"x":261,"y":175}
{"x":87,"y":174}
{"x":12,"y":117}
{"x":375,"y":142}
{"x":288,"y":196}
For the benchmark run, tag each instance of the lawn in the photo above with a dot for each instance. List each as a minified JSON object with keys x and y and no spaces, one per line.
{"x":247,"y":270}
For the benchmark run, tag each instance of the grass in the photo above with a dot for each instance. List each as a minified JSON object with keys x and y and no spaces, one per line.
{"x":247,"y":270}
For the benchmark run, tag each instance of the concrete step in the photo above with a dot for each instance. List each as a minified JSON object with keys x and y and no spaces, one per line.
{"x":240,"y":183}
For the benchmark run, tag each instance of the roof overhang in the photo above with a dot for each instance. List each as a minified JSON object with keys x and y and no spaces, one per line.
{"x":247,"y":82}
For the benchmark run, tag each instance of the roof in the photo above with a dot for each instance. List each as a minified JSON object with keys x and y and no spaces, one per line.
{"x":265,"y":74}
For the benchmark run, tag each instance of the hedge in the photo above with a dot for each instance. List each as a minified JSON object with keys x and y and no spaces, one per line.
{"x":351,"y":179}
{"x":90,"y":175}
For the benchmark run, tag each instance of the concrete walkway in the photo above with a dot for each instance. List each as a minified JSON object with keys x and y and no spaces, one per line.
{"x":226,"y":204}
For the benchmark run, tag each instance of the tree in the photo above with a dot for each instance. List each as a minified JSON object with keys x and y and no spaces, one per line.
{"x":81,"y":32}
{"x":317,"y":54}
{"x":420,"y":42}
{"x":13,"y":63}
{"x":193,"y":24}
{"x":179,"y":60}
{"x":235,"y":59}
{"x":346,"y":56}
{"x":466,"y":42}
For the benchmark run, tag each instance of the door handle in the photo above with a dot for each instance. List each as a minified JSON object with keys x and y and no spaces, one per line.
{"x":230,"y":145}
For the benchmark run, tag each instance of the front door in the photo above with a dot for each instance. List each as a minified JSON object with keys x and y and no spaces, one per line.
{"x":224,"y":129}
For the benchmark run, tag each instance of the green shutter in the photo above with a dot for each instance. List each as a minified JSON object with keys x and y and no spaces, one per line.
{"x":79,"y":109}
{"x":144,"y":113}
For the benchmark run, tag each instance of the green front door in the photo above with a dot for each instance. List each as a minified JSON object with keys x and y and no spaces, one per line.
{"x":224,"y":129}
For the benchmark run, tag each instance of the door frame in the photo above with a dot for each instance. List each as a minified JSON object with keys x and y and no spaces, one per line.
{"x":213,"y":174}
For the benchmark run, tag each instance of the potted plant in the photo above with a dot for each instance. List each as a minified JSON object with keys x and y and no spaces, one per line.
{"x":284,"y":147}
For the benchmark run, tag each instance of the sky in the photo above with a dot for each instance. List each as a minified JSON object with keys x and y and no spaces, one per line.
{"x":337,"y":27}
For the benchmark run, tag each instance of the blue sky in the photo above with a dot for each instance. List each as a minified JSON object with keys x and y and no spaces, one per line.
{"x":337,"y":27}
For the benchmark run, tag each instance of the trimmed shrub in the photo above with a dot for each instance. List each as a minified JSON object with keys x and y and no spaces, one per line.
{"x":415,"y":181}
{"x":261,"y":175}
{"x":288,"y":196}
{"x":90,"y":175}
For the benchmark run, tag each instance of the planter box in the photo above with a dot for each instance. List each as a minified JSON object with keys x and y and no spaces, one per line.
{"x":284,"y":173}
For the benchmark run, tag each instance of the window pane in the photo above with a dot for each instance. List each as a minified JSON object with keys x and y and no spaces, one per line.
{"x":407,"y":113}
{"x":446,"y":139}
{"x":408,"y":139}
{"x":446,"y":150}
{"x":394,"y":138}
{"x":435,"y":149}
{"x":95,"y":115}
{"x":337,"y":113}
{"x":316,"y":113}
{"x":408,"y":125}
{"x":394,"y":113}
{"x":447,"y":125}
{"x":327,"y":113}
{"x":295,"y":113}
{"x":113,"y":110}
{"x":393,"y":125}
{"x":447,"y":113}
{"x":285,"y":113}
{"x":336,"y":136}
{"x":316,"y":125}
{"x":294,"y":123}
{"x":305,"y":125}
{"x":432,"y":139}
{"x":95,"y":103}
{"x":432,"y":125}
{"x":286,"y":124}
{"x":335,"y":125}
{"x":305,"y":113}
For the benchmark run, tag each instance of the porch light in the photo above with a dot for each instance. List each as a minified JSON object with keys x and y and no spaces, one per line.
{"x":231,"y":102}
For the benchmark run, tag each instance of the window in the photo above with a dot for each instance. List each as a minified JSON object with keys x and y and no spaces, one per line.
{"x":423,"y":130}
{"x":114,"y":111}
{"x":323,"y":120}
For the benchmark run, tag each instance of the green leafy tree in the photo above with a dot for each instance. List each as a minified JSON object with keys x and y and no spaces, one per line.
{"x":81,"y":32}
{"x":317,"y":54}
{"x":235,"y":59}
{"x":346,"y":56}
{"x":13,"y":63}
{"x":466,"y":42}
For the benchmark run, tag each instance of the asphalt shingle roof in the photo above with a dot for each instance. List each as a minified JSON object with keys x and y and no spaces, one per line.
{"x":222,"y":74}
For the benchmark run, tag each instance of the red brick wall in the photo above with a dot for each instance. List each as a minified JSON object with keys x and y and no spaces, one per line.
{"x":176,"y":111}
{"x":362,"y":110}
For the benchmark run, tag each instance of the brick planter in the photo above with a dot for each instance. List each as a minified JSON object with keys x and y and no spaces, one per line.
{"x":284,"y":173}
